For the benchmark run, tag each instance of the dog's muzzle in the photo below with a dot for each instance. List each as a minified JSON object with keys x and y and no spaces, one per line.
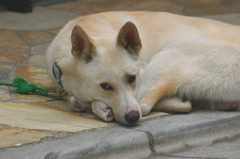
{"x":132,"y":117}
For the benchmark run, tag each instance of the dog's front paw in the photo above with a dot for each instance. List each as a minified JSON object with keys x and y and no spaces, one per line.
{"x":102,"y":111}
{"x":75,"y":105}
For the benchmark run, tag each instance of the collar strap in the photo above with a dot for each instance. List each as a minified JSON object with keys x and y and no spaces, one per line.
{"x":57,"y":73}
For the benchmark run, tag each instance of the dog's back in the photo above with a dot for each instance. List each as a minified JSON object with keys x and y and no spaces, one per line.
{"x":156,"y":29}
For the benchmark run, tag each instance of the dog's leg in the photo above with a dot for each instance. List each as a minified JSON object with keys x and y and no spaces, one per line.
{"x":102,"y":111}
{"x":160,"y":81}
{"x":149,"y":96}
{"x":173,"y":104}
{"x":76,"y":105}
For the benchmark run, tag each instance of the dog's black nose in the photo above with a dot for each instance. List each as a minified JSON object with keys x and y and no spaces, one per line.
{"x":132,"y":117}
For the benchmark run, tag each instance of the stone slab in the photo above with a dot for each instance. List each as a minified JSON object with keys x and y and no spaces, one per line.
{"x":40,"y":49}
{"x":166,"y":134}
{"x":40,"y":19}
{"x":53,"y":31}
{"x":41,"y":117}
{"x":37,"y":60}
{"x":4,"y":93}
{"x":111,"y":143}
{"x":6,"y":66}
{"x":206,"y":7}
{"x":16,"y":137}
{"x":12,"y":47}
{"x":35,"y":37}
{"x":60,"y":104}
{"x":35,"y":75}
{"x":176,"y":132}
{"x":4,"y":75}
{"x":225,"y":149}
{"x":96,"y":6}
{"x":154,"y":114}
{"x":63,"y":104}
{"x":32,"y":98}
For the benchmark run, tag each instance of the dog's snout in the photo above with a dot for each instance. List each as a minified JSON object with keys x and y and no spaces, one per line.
{"x":132,"y":117}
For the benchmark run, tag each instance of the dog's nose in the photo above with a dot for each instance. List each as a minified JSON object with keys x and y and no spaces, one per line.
{"x":132,"y":117}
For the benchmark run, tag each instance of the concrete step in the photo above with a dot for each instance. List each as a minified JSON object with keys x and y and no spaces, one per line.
{"x":224,"y":149}
{"x":158,"y":136}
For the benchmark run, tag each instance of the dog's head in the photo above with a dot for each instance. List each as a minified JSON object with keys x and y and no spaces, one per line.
{"x":105,"y":68}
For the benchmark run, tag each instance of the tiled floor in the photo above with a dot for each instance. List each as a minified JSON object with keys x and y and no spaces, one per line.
{"x":24,"y":39}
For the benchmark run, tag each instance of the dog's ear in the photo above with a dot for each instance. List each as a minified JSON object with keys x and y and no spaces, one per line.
{"x":82,"y":48}
{"x":128,"y":37}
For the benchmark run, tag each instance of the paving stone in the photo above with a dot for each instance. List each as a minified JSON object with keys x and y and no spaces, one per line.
{"x":33,"y":98}
{"x":60,"y":104}
{"x":225,"y":149}
{"x":13,"y":55}
{"x":38,"y":60}
{"x":92,"y":116}
{"x":227,"y":18}
{"x":5,"y":70}
{"x":36,"y":76}
{"x":4,"y":93}
{"x":180,"y":131}
{"x":206,"y":7}
{"x":4,"y":76}
{"x":231,"y":2}
{"x":53,"y":31}
{"x":5,"y":66}
{"x":12,"y":47}
{"x":114,"y":143}
{"x":206,"y":2}
{"x":95,"y":6}
{"x":35,"y":37}
{"x":40,"y":19}
{"x":40,"y":49}
{"x":11,"y":39}
{"x":41,"y":117}
{"x":16,"y":137}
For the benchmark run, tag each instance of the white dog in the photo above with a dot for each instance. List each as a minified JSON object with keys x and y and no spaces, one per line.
{"x":124,"y":64}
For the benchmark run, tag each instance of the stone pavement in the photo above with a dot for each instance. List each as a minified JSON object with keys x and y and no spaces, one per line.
{"x":224,"y":149}
{"x":29,"y":123}
{"x":228,"y":148}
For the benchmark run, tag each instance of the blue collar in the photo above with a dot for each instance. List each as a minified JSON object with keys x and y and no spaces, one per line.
{"x":57,"y":73}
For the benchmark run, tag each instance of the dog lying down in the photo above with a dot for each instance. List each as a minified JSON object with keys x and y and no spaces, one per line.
{"x":125,"y":64}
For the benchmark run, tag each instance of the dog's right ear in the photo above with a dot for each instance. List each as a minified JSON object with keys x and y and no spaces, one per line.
{"x":82,"y":48}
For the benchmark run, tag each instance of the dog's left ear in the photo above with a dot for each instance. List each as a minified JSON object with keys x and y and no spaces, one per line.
{"x":128,"y":37}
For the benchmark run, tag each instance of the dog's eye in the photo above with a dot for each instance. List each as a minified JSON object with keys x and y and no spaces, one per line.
{"x":131,"y":79}
{"x":105,"y":86}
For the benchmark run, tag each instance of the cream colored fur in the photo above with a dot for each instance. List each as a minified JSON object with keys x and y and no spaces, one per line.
{"x":179,"y":57}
